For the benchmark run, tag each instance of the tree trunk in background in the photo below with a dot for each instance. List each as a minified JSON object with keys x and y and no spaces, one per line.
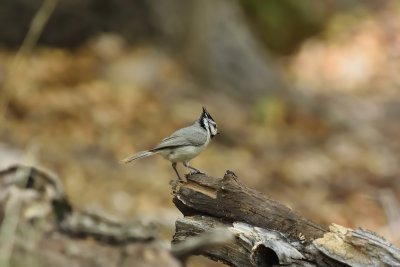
{"x":212,"y":37}
{"x":223,"y":51}
{"x":217,"y":45}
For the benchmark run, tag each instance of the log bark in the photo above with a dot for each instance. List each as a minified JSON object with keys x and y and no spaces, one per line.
{"x":268,"y":233}
{"x":223,"y":220}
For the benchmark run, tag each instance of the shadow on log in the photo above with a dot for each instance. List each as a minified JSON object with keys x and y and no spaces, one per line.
{"x":268,"y":233}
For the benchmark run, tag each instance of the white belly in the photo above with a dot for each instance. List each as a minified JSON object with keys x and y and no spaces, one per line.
{"x":181,"y":154}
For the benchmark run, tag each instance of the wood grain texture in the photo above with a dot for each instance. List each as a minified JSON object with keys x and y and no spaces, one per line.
{"x":227,"y":198}
{"x":266,"y":232}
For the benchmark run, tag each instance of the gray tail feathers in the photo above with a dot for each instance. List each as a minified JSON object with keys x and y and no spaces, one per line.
{"x":142,"y":154}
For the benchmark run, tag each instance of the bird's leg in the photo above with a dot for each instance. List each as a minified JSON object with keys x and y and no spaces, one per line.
{"x":176,"y":171}
{"x":193,"y":169}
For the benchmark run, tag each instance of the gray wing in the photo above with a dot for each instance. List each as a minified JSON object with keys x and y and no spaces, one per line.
{"x":192,"y":135}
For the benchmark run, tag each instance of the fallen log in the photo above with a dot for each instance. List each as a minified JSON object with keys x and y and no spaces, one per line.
{"x":266,"y":232}
{"x":223,"y":220}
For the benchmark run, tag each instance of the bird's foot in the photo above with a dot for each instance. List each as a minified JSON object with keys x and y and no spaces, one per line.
{"x":191,"y":172}
{"x":177,"y":173}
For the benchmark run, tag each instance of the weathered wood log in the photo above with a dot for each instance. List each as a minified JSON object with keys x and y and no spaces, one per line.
{"x":267,"y":232}
{"x":39,"y":224}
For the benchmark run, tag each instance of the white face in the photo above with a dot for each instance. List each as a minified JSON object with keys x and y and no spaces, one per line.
{"x":211,"y":126}
{"x":208,"y":123}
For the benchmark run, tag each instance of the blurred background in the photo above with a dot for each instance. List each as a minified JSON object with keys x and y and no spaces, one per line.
{"x":305,"y":94}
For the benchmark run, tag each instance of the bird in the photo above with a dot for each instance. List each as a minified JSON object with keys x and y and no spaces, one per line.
{"x":184,"y":144}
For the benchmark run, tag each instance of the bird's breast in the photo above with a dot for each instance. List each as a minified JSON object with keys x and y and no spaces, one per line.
{"x":183,"y":153}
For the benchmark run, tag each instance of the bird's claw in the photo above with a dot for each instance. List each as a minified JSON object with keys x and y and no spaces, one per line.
{"x":195,"y":172}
